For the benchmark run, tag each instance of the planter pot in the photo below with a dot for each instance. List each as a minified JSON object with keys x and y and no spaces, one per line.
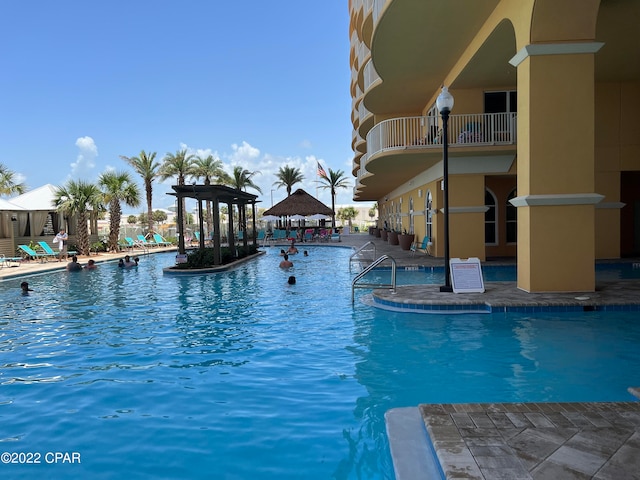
{"x":405,"y":241}
{"x":383,"y":235}
{"x":393,"y":238}
{"x":376,"y":232}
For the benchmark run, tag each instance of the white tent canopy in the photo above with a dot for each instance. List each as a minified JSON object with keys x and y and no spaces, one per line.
{"x":8,"y":206}
{"x":38,"y":199}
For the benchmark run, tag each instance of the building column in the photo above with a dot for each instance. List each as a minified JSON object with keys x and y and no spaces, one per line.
{"x":556,"y":198}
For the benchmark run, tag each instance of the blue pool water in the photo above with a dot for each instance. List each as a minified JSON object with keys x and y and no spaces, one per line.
{"x":241,"y":376}
{"x":493,"y":273}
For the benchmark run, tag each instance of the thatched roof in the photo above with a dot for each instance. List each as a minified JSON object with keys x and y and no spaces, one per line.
{"x":298,"y":203}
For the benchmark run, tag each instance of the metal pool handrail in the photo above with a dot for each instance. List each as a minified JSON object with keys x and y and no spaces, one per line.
{"x":351,"y":258}
{"x":377,"y":262}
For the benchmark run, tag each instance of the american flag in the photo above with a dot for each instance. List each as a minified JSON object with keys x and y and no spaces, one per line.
{"x":321,"y":172}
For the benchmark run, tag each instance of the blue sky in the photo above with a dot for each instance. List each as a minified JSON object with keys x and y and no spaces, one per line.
{"x":258,"y":84}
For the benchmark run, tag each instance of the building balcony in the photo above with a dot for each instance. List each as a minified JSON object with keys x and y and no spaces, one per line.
{"x":482,"y":129}
{"x":398,"y":149}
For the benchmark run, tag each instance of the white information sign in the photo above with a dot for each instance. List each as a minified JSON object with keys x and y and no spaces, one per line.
{"x":466,"y":275}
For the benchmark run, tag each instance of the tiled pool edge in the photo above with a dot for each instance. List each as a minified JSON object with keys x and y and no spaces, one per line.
{"x":546,"y":441}
{"x":503,"y":297}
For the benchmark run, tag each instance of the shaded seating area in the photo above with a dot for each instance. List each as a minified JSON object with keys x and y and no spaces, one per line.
{"x":216,"y":194}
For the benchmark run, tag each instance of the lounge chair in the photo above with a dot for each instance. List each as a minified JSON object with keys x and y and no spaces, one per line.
{"x":7,"y":261}
{"x":161,"y":241}
{"x":27,"y":251}
{"x":423,"y":247}
{"x":131,"y":243}
{"x":47,"y":249}
{"x":262,"y":236}
{"x":144,"y":242}
{"x":308,"y":235}
{"x":335,"y":237}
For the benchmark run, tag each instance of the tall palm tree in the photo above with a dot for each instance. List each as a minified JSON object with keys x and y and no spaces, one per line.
{"x":117,"y":187}
{"x":8,"y":185}
{"x":178,"y":165}
{"x":334,"y":180}
{"x":208,"y":168}
{"x":145,"y":166}
{"x":288,"y":177}
{"x":77,"y":199}
{"x":241,"y":180}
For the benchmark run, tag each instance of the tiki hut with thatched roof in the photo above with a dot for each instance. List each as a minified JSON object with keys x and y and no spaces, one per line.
{"x":299,"y":203}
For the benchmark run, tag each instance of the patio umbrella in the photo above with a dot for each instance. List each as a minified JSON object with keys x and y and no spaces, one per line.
{"x":297,"y":217}
{"x":319,"y":216}
{"x":269,"y":218}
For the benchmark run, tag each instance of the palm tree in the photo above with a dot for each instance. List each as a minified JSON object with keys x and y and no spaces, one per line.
{"x":241,"y":180}
{"x":208,"y":168}
{"x":181,"y":165}
{"x":77,"y":199}
{"x":117,"y":187}
{"x":8,"y":185}
{"x":145,"y":166}
{"x":288,"y":177}
{"x":334,"y":180}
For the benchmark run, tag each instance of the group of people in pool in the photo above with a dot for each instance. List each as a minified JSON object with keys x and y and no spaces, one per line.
{"x":75,"y":266}
{"x":286,"y":263}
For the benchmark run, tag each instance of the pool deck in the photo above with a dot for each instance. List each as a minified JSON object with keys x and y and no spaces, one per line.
{"x":568,"y":441}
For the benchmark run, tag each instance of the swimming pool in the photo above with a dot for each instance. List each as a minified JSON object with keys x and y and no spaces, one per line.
{"x":242,"y":376}
{"x":493,"y":273}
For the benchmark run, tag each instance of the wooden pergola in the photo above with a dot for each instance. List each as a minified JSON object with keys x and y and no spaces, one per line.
{"x":216,"y":194}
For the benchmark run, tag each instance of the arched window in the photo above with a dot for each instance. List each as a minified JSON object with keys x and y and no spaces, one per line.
{"x":428,"y":206}
{"x":410,"y":214}
{"x":512,"y":219}
{"x":490,"y":218}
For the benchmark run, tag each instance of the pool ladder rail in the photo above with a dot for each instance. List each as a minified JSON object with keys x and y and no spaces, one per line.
{"x":374,"y":264}
{"x":357,"y":255}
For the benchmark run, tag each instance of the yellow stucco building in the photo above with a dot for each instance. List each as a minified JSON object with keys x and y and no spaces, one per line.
{"x":544,"y":136}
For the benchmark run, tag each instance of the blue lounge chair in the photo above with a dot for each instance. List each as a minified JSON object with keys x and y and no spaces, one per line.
{"x":131,"y":243}
{"x":27,"y":251}
{"x":423,"y":247}
{"x":47,"y":249}
{"x":144,"y":242}
{"x":7,"y":261}
{"x":160,"y":240}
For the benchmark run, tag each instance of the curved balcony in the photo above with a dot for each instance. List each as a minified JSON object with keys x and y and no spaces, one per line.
{"x":481,"y":129}
{"x":398,"y":149}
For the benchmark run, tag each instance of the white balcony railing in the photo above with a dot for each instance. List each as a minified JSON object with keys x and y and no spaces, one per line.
{"x":464,"y":131}
{"x":370,"y":75}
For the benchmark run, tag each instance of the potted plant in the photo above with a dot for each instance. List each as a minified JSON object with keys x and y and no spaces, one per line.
{"x":392,"y":237}
{"x":405,"y":240}
{"x":383,"y":234}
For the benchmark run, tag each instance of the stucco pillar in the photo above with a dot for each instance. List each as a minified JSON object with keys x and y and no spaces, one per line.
{"x":556,"y":198}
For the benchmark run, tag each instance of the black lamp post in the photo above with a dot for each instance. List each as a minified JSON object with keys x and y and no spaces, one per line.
{"x":444,"y":104}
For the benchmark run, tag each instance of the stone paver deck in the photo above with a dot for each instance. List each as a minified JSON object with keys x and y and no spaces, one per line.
{"x":568,"y":441}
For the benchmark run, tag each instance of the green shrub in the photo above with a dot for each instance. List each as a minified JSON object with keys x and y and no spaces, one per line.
{"x":205,"y":258}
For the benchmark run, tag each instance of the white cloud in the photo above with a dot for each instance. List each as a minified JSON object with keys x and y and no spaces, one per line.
{"x":85,"y":161}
